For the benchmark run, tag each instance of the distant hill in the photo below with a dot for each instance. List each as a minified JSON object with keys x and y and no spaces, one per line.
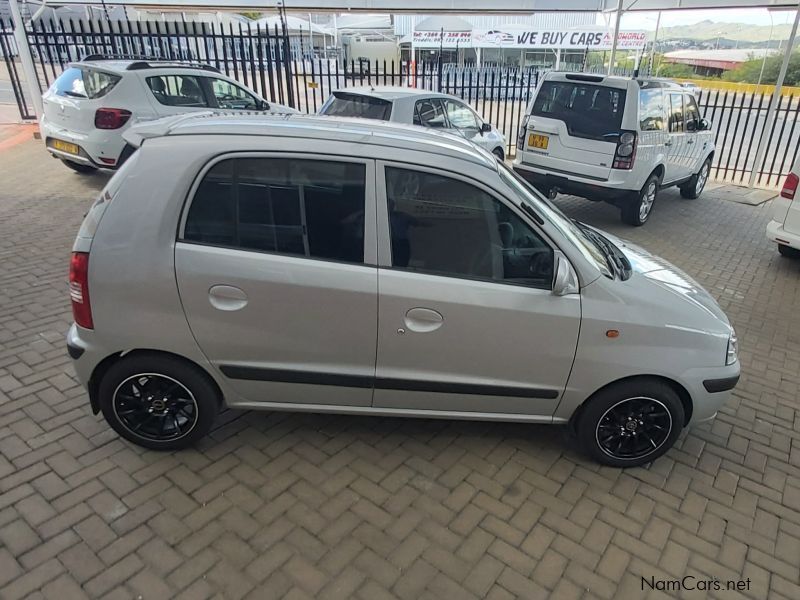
{"x":711,"y":30}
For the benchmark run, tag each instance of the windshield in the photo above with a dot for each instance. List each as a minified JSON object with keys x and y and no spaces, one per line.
{"x":589,"y":111}
{"x":343,"y":104}
{"x":559,"y":220}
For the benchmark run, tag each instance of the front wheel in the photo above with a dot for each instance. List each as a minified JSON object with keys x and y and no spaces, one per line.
{"x":636,"y":211}
{"x":78,"y":167}
{"x":694,"y":187}
{"x":158,"y":401}
{"x":631,"y":423}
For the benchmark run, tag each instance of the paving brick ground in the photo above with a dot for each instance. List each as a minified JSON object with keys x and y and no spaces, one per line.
{"x":281,"y":505}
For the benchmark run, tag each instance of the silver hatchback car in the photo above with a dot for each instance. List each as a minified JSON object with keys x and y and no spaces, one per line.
{"x":338,"y":265}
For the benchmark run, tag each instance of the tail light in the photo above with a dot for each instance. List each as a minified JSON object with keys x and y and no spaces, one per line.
{"x":790,"y":186}
{"x":626,"y":151}
{"x":523,"y":129}
{"x":79,"y":289}
{"x":111,"y":118}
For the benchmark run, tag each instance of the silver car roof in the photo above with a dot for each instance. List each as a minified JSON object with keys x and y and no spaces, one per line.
{"x":314,"y":128}
{"x":387,"y":92}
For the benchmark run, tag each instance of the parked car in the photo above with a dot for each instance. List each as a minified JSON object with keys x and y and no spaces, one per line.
{"x":692,"y":88}
{"x":417,"y":107}
{"x":353,"y":266}
{"x":92,"y":103}
{"x":614,"y":139}
{"x":784,"y":226}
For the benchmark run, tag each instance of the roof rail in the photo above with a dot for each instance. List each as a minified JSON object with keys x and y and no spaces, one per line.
{"x":143,"y":61}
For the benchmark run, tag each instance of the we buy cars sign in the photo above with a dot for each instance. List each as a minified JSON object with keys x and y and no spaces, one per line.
{"x":521,"y":37}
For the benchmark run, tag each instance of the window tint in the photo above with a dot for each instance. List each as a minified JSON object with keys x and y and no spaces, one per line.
{"x":444,"y":226}
{"x":676,"y":113}
{"x":460,"y":116}
{"x":692,"y":112}
{"x":342,"y":104}
{"x":177,"y":90}
{"x":430,"y":113}
{"x":84,"y":83}
{"x":231,"y":96}
{"x":588,"y":111}
{"x":651,"y":109}
{"x":303,"y":207}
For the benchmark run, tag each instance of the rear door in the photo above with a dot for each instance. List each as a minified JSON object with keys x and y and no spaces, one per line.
{"x":275,"y":267}
{"x":677,"y":165}
{"x":574,"y":127}
{"x":461,"y":118}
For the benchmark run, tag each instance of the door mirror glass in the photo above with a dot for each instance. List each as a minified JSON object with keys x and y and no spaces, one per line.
{"x":486,"y":128}
{"x":566,"y":280}
{"x":705,"y":125}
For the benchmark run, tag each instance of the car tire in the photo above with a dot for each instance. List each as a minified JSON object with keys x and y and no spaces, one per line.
{"x":631,"y":423}
{"x":695,"y":186}
{"x":158,"y":401}
{"x":78,"y":167}
{"x":788,"y":251}
{"x":637,"y":210}
{"x":498,"y":152}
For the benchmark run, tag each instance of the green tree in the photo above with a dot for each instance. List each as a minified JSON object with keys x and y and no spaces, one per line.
{"x":675,"y":70}
{"x":749,"y":71}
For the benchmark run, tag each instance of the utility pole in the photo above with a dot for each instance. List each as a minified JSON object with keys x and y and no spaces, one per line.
{"x":614,"y":41}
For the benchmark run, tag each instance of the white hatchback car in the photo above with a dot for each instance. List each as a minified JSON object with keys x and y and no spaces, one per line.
{"x":91,"y":104}
{"x":784,"y":226}
{"x":416,"y":107}
{"x":353,"y":266}
{"x":615,"y":139}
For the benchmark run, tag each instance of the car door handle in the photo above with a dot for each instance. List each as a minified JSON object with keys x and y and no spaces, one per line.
{"x":423,"y":320}
{"x":690,"y":141}
{"x":227,"y":297}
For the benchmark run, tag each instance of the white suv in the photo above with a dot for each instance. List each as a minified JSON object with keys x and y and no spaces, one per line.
{"x":94,"y":101}
{"x":614,"y":139}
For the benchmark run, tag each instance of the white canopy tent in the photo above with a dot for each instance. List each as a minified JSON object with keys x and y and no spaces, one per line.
{"x":618,"y":7}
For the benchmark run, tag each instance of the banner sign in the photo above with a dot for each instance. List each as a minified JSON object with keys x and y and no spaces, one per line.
{"x":521,"y":37}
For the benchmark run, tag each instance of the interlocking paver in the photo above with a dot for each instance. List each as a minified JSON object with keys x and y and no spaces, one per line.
{"x":283,"y":505}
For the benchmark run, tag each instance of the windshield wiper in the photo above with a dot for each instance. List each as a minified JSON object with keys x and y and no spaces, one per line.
{"x":617,"y":260}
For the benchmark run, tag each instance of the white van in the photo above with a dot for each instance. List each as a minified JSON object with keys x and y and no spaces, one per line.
{"x":614,"y":139}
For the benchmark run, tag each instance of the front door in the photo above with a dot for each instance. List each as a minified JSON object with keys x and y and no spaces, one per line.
{"x":467,"y":321}
{"x":274,"y":272}
{"x":461,"y":118}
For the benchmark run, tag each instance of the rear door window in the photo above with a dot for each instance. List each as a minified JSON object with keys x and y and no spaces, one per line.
{"x":589,"y":111}
{"x":178,"y":90}
{"x":343,"y":104}
{"x":309,"y":208}
{"x":676,"y":124}
{"x":84,"y":83}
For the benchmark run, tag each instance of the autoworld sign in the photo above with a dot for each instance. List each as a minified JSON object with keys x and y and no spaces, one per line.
{"x":567,"y":39}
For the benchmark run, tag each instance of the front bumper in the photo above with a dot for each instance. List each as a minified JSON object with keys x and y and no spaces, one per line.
{"x":710,"y":389}
{"x":777,"y":234}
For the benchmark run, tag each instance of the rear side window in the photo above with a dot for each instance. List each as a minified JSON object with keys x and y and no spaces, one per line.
{"x":589,"y":111}
{"x":306,"y":208}
{"x":342,"y":104}
{"x":178,"y":90}
{"x":84,"y":83}
{"x":651,"y":109}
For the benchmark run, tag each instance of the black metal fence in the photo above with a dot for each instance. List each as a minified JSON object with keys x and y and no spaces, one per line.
{"x":284,"y":69}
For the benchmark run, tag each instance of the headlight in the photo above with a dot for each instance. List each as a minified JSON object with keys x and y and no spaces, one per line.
{"x":733,"y":349}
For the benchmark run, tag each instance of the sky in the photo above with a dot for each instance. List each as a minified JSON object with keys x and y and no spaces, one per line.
{"x":671,"y":18}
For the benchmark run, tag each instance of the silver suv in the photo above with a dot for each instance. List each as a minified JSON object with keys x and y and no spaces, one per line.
{"x":332,"y":265}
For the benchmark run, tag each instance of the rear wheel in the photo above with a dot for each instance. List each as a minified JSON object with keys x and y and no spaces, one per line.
{"x":694,"y":187}
{"x":158,"y":401}
{"x":631,"y":423}
{"x":78,"y":167}
{"x":636,"y":211}
{"x":788,"y":251}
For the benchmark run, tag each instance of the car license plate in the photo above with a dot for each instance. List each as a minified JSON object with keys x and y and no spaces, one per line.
{"x":538,"y":141}
{"x":66,"y":147}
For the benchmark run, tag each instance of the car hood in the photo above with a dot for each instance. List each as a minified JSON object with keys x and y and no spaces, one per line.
{"x":660,"y":278}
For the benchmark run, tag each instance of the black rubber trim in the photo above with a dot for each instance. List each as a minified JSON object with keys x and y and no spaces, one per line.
{"x":382,"y":383}
{"x":720,"y":385}
{"x":74,"y":351}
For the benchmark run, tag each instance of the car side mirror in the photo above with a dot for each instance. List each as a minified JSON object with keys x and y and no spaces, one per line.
{"x":704,"y":125}
{"x":486,"y":128}
{"x":565,"y":280}
{"x":263,"y":105}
